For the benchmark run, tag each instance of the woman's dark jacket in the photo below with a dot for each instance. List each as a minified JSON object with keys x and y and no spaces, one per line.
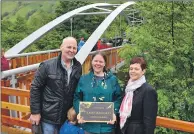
{"x":144,"y":111}
{"x":50,"y":93}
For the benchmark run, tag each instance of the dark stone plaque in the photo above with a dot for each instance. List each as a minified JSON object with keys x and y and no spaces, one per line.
{"x":96,"y":111}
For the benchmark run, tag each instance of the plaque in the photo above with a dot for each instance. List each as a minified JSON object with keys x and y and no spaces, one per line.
{"x":96,"y":111}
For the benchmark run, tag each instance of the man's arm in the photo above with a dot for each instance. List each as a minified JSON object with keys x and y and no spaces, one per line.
{"x":35,"y":93}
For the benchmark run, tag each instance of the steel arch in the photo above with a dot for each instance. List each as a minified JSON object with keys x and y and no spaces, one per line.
{"x":19,"y":47}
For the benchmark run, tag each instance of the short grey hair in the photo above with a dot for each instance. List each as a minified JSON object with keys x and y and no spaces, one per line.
{"x":68,"y":38}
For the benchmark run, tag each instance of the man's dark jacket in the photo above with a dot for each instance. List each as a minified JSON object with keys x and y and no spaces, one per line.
{"x":50,"y":93}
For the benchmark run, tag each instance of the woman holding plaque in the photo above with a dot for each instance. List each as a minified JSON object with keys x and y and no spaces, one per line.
{"x":98,"y":85}
{"x":139,"y":107}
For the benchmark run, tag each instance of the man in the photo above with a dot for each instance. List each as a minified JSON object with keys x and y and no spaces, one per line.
{"x":52,"y":89}
{"x":4,"y":61}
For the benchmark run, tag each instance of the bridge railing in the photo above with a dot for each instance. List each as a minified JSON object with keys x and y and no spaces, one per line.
{"x":180,"y":125}
{"x":25,"y":59}
{"x":12,"y":124}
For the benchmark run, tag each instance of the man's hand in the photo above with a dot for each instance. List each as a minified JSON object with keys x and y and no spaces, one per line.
{"x":80,"y":119}
{"x":35,"y":118}
{"x":112,"y":121}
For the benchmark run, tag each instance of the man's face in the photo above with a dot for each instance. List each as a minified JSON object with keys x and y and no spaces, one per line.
{"x":69,"y":49}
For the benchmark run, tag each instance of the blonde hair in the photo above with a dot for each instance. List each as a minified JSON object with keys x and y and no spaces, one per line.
{"x":71,"y":115}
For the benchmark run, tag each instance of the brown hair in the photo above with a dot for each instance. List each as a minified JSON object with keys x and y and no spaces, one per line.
{"x":104,"y":57}
{"x":139,"y":60}
{"x":71,"y":115}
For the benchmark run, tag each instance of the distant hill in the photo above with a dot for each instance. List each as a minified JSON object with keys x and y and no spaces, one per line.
{"x":12,"y":9}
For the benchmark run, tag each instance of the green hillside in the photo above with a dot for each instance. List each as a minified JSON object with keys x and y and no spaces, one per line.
{"x":27,"y":9}
{"x":12,"y":9}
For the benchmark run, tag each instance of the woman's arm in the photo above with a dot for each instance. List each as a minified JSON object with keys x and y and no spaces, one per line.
{"x":78,"y":96}
{"x":117,"y":96}
{"x":150,"y":108}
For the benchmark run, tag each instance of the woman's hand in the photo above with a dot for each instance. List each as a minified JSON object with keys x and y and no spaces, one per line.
{"x":112,"y":121}
{"x":80,"y":119}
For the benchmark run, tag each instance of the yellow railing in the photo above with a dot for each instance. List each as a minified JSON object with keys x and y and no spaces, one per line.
{"x":175,"y":124}
{"x":22,"y":109}
{"x":31,"y":59}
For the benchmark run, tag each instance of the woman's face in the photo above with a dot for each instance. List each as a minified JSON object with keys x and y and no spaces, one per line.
{"x":98,"y":64}
{"x":135,"y":71}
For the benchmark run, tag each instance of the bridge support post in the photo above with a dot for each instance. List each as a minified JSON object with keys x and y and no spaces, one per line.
{"x":12,"y":99}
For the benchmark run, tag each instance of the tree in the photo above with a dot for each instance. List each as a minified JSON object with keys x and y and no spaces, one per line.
{"x":13,"y":32}
{"x":51,"y":40}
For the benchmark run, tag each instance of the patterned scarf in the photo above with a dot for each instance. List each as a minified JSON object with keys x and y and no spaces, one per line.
{"x":126,"y":105}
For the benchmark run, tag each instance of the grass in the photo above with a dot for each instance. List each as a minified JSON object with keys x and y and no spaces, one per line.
{"x":8,"y":6}
{"x":23,"y":8}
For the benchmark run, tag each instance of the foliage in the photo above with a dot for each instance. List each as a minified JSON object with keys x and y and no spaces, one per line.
{"x":12,"y":9}
{"x":20,"y":25}
{"x":13,"y":33}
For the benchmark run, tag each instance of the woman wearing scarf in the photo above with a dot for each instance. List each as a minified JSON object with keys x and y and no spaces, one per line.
{"x":99,"y":85}
{"x":139,"y":107}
